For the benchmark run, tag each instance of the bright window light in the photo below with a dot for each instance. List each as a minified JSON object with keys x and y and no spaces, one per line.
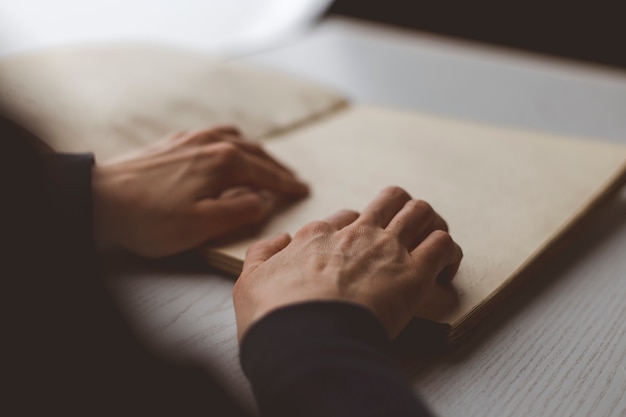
{"x":210,"y":25}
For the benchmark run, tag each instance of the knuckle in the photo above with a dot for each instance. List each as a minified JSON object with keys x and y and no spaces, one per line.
{"x":442,"y":225}
{"x":227,"y":152}
{"x":366,"y":234}
{"x":315,"y":228}
{"x":347,"y":213}
{"x":199,"y":136}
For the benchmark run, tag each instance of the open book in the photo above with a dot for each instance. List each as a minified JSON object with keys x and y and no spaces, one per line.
{"x":507,"y":195}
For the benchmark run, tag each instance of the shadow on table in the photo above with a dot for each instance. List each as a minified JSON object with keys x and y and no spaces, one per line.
{"x":119,"y":262}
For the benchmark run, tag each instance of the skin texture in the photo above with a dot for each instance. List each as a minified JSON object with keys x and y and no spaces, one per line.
{"x":187,"y":189}
{"x":386,"y":258}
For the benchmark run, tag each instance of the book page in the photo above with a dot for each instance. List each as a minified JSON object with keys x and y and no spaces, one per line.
{"x":115,"y":98}
{"x":504,"y":193}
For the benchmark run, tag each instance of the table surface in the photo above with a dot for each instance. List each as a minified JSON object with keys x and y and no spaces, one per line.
{"x":558,"y":347}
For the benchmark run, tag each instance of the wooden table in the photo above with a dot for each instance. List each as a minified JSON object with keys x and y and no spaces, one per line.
{"x":558,"y":348}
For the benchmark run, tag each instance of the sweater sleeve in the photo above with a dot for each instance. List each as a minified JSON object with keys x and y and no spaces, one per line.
{"x":325,"y":359}
{"x":67,"y":348}
{"x":68,"y":179}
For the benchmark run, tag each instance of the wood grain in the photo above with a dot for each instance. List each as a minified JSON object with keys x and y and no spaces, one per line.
{"x":558,"y":348}
{"x":182,"y":310}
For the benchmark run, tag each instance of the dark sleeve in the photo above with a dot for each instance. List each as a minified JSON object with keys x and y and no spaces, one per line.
{"x":67,"y":349}
{"x":325,"y":359}
{"x":69,"y":194}
{"x":68,"y":200}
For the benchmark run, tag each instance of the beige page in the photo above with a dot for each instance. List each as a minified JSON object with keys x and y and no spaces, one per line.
{"x":506,"y":194}
{"x":114,"y":98}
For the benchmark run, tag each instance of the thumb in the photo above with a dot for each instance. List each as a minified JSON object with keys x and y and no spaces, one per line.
{"x":262,"y":250}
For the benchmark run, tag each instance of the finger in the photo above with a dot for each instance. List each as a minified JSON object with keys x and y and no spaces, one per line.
{"x":225,"y":215}
{"x":228,"y":130}
{"x":414,"y":222}
{"x":437,"y":252}
{"x":385,"y":206}
{"x":448,"y":273}
{"x":253,"y":171}
{"x":235,"y":192}
{"x":342,"y":218}
{"x":256,"y":149}
{"x":205,"y":136}
{"x":263,"y":250}
{"x":233,"y":135}
{"x":214,"y":134}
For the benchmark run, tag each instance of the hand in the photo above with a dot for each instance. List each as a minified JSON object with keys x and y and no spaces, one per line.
{"x":385,"y":259}
{"x":187,"y":189}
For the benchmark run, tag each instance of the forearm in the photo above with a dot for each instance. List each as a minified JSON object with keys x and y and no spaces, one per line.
{"x":325,"y":359}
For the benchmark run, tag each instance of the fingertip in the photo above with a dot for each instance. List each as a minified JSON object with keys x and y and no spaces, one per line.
{"x":282,"y":239}
{"x":279,"y":240}
{"x":383,"y":208}
{"x":435,"y":253}
{"x":394,"y":191}
{"x":440,"y":240}
{"x":296,"y":187}
{"x":228,"y":129}
{"x":277,"y":243}
{"x":342,"y":218}
{"x":303,"y":188}
{"x":449,"y":272}
{"x":262,"y":250}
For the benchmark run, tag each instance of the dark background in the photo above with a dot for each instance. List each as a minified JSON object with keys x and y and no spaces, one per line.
{"x":592,"y":31}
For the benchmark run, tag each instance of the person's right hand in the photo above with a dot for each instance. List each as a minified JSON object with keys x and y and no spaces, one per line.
{"x":386,"y":259}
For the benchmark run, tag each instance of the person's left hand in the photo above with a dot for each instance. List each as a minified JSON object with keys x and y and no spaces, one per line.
{"x":187,"y":189}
